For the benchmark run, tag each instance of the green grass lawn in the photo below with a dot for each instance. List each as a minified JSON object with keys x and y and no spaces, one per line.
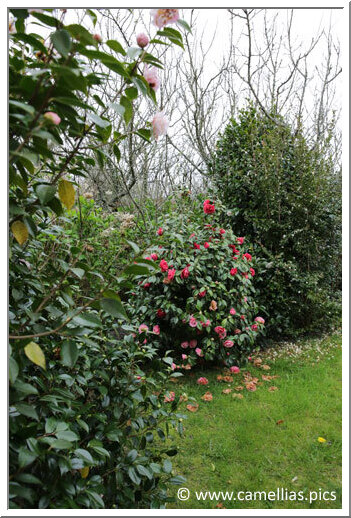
{"x":268,"y":439}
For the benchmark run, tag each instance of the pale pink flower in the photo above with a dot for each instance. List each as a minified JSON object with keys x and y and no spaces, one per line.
{"x":52,"y":117}
{"x":162,"y":17}
{"x":260,"y":320}
{"x":184,"y":345}
{"x":199,"y":351}
{"x":202,"y":381}
{"x":173,"y":366}
{"x":232,"y":311}
{"x":143,"y":328}
{"x":156,"y":330}
{"x":160,"y":125}
{"x":150,"y":75}
{"x":97,"y":38}
{"x":142,"y":40}
{"x":193,"y":344}
{"x":235,"y":369}
{"x":192,"y":322}
{"x":170,"y":397}
{"x":184,"y":356}
{"x":228,"y":343}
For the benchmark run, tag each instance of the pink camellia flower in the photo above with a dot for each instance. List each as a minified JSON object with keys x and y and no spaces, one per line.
{"x":52,"y":117}
{"x":240,"y":240}
{"x":222,"y":231}
{"x":243,"y":317}
{"x":146,"y":285}
{"x":142,"y":40}
{"x":199,"y":351}
{"x":97,"y":38}
{"x":234,"y":369}
{"x":202,"y":293}
{"x":163,"y":265}
{"x":171,"y":274}
{"x":206,"y":324}
{"x":173,"y":366}
{"x":160,"y":313}
{"x":192,"y":235}
{"x":246,"y":275}
{"x":145,"y":341}
{"x":160,"y":231}
{"x":232,"y":311}
{"x":193,"y":344}
{"x":143,"y":328}
{"x":209,"y":207}
{"x":192,"y":322}
{"x":228,"y":343}
{"x":154,"y":257}
{"x":184,"y":345}
{"x":237,"y":331}
{"x":156,"y":330}
{"x":250,"y":358}
{"x":197,"y":246}
{"x":202,"y":381}
{"x":233,"y":271}
{"x":252,"y":271}
{"x":245,"y":299}
{"x":184,"y":356}
{"x":170,"y":397}
{"x":260,"y":320}
{"x":160,"y":125}
{"x":247,"y":256}
{"x":254,"y":327}
{"x":162,"y":17}
{"x":151,"y":76}
{"x":207,"y":245}
{"x":185,"y":273}
{"x":222,"y":333}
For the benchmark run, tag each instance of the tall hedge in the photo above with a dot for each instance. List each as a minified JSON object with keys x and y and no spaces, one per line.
{"x":284,"y":194}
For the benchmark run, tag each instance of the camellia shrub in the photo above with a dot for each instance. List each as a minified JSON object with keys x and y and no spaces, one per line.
{"x":90,"y":420}
{"x":201,"y":301}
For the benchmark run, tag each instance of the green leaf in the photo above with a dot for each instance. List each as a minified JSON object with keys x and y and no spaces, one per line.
{"x":25,"y":457}
{"x":48,"y":20}
{"x":131,"y":93}
{"x":144,"y":133}
{"x":134,"y":52}
{"x":131,"y":456}
{"x":23,"y":106}
{"x":136,"y":269}
{"x":84,"y":455}
{"x":185,"y":25}
{"x":128,"y":113}
{"x":45,"y":192}
{"x":144,"y":471}
{"x":13,"y":370}
{"x":50,"y":425}
{"x":27,"y":478}
{"x":102,"y":123}
{"x":117,"y":47}
{"x":27,"y":410}
{"x":67,"y":435}
{"x":114,"y":308}
{"x":69,"y":354}
{"x":35,"y":354}
{"x":81,"y":34}
{"x":66,"y":193}
{"x":79,"y":272}
{"x":61,"y":444}
{"x":133,"y":476}
{"x":61,"y":40}
{"x":167,"y":466}
{"x":134,"y":246}
{"x":118,"y":108}
{"x":88,"y":320}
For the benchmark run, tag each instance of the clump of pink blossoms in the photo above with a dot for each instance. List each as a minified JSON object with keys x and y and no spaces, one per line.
{"x":162,"y":17}
{"x":160,"y":125}
{"x":151,"y":76}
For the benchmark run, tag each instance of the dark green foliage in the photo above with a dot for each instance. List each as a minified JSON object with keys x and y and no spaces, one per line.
{"x":284,"y":195}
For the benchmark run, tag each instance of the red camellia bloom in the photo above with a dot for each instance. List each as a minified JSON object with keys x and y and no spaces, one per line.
{"x":185,"y":273}
{"x":197,"y":246}
{"x":233,"y":271}
{"x":202,"y":381}
{"x":163,"y":265}
{"x":209,"y":207}
{"x":154,"y":257}
{"x":252,"y":271}
{"x":160,"y":231}
{"x":202,"y":293}
{"x":222,"y":231}
{"x":222,"y":333}
{"x":147,"y":285}
{"x":240,"y":240}
{"x":247,"y":256}
{"x":254,"y":327}
{"x":246,"y":275}
{"x":207,"y":245}
{"x":160,"y":313}
{"x":171,"y":274}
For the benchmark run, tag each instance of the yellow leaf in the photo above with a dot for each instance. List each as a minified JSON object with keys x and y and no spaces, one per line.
{"x":84,"y":471}
{"x":20,"y":231}
{"x":35,"y":354}
{"x":66,"y":193}
{"x":321,"y":439}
